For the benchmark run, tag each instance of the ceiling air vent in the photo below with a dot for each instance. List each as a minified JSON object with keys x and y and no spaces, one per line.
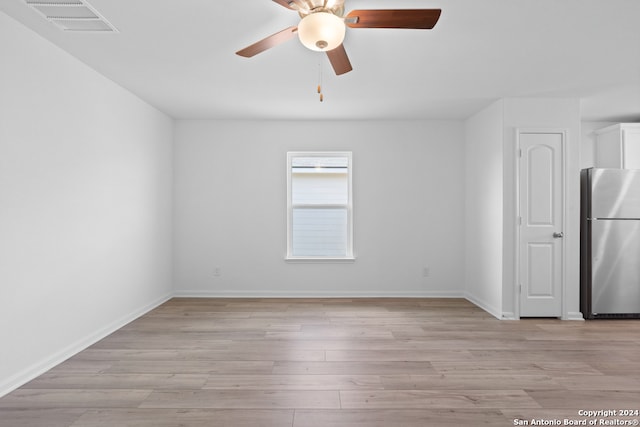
{"x":72,"y":15}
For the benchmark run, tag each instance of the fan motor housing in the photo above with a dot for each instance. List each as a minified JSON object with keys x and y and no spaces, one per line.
{"x":334,"y":7}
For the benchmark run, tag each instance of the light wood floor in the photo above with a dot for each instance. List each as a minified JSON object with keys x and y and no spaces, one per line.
{"x":335,"y":362}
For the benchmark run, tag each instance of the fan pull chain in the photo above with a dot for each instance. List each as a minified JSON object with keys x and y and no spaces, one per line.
{"x":320,"y":82}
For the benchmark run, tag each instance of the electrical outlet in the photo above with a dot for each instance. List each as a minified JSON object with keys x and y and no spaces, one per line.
{"x":216,"y":272}
{"x":425,"y":272}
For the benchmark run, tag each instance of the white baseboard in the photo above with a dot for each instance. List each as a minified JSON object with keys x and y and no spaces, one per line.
{"x":60,"y":356}
{"x":573,"y":315}
{"x":509,"y":315}
{"x":494,"y":311}
{"x":316,"y":294}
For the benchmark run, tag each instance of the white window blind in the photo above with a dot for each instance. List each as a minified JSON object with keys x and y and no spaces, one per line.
{"x":319,"y":206}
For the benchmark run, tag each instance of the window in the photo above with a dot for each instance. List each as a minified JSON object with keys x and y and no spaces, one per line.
{"x":319,"y":207}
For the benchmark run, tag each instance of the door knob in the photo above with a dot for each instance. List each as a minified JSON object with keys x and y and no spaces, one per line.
{"x":558,"y":235}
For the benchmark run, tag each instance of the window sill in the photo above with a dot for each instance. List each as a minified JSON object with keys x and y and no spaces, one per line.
{"x":320,"y":260}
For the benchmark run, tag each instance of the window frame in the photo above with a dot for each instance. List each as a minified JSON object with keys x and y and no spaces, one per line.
{"x":349,"y":257}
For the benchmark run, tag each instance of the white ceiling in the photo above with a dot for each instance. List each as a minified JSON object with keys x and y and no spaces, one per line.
{"x":179,"y":55}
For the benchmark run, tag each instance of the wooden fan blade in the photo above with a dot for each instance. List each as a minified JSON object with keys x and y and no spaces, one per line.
{"x":268,"y":43}
{"x":339,"y":60}
{"x":422,"y":19}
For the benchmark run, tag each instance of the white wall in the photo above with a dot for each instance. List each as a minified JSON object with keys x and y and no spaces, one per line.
{"x":230,"y":208}
{"x":484,"y":208}
{"x":85,"y":205}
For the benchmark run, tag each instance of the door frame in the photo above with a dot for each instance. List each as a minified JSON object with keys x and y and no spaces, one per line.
{"x":518,"y":156}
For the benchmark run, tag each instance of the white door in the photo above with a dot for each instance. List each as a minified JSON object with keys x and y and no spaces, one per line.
{"x":541,"y":186}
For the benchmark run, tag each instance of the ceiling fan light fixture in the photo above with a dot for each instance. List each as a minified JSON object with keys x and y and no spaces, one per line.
{"x":321,"y":31}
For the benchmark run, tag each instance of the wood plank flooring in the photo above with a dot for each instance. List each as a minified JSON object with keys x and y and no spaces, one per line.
{"x":335,"y":362}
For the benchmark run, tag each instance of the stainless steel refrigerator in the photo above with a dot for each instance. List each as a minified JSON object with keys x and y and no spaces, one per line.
{"x":610,"y":243}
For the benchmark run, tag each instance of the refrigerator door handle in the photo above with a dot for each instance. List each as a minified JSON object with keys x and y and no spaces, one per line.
{"x":558,"y":235}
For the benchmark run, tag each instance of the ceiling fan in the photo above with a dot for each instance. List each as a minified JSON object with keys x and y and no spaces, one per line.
{"x":323,"y":26}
